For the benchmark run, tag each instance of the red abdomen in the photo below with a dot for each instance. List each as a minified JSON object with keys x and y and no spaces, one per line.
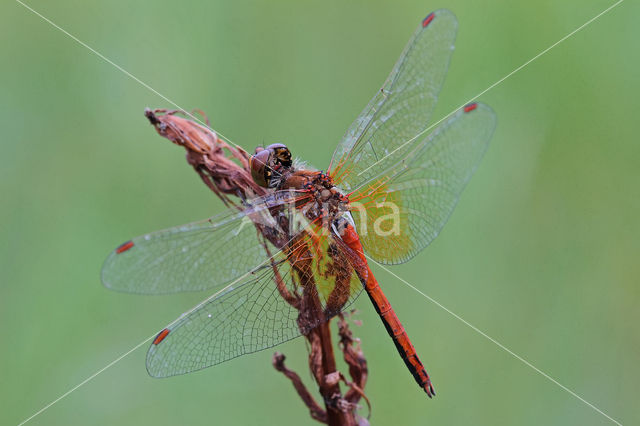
{"x":388,"y":316}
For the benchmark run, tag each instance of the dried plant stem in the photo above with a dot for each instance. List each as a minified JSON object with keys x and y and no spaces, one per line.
{"x":225,"y":170}
{"x":338,"y":413}
{"x":316,"y":412}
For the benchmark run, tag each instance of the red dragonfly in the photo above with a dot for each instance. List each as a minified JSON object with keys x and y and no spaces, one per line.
{"x":388,"y":191}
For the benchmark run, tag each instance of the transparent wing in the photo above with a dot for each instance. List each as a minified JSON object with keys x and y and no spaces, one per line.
{"x":404,"y":209}
{"x":401,"y":109}
{"x":200,"y":255}
{"x":240,"y":320}
{"x":290,"y":295}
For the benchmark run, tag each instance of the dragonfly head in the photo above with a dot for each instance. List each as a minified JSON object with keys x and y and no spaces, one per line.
{"x":269,"y":164}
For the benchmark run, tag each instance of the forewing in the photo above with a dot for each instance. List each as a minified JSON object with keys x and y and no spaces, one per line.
{"x":404,"y":210}
{"x":197,"y":256}
{"x":401,"y":109}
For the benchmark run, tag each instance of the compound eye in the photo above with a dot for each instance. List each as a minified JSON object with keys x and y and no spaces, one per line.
{"x":260,"y":170}
{"x":282,"y":155}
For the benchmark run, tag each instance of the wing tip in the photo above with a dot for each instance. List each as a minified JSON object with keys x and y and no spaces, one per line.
{"x":151,"y":372}
{"x":161,"y":336}
{"x":124,"y":247}
{"x":426,"y":21}
{"x":470,"y":107}
{"x":440,"y":13}
{"x":152,"y":367}
{"x":489,"y":113}
{"x":477,"y":106}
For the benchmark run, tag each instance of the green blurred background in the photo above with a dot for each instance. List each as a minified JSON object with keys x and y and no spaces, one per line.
{"x":541,"y":253}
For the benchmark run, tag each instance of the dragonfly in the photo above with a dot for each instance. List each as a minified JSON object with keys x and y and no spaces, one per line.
{"x":298,"y":255}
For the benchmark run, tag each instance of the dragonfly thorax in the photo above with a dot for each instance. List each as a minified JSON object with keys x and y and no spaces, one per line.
{"x":320,"y":197}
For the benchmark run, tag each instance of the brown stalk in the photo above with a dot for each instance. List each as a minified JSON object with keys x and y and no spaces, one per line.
{"x":225,"y":170}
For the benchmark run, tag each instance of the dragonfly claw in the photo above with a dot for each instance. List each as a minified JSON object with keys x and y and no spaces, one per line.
{"x":431,"y":392}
